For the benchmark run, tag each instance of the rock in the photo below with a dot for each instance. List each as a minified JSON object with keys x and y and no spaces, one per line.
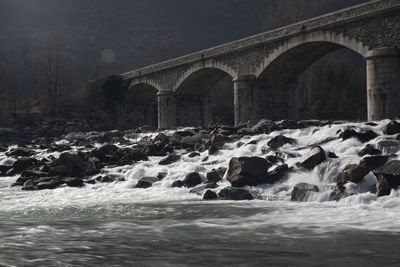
{"x":315,"y":157}
{"x":169,"y":160}
{"x":331,"y":155}
{"x":374,"y":162}
{"x":146,"y":182}
{"x":134,"y":155}
{"x":107,"y":178}
{"x":389,"y":146}
{"x":287,"y":124}
{"x":22,"y":164}
{"x":338,"y":193}
{"x":20,"y":152}
{"x":53,"y":183}
{"x":4,"y":169}
{"x":277,"y":174}
{"x":247,"y":171}
{"x":216,"y":143}
{"x":216,"y":175}
{"x":200,"y":189}
{"x":161,"y":176}
{"x":192,"y":179}
{"x":363,"y":137}
{"x":382,"y":187}
{"x":233,"y":193}
{"x":391,"y":128}
{"x":177,"y":183}
{"x":264,"y":126}
{"x":279,"y":141}
{"x":210,"y":195}
{"x":74,"y":163}
{"x":108,"y":149}
{"x":3,"y":148}
{"x":246,"y":131}
{"x":274,"y":159}
{"x":369,"y":150}
{"x":194,"y":154}
{"x":192,"y":141}
{"x":73,"y":182}
{"x":352,"y":173}
{"x":390,"y":171}
{"x":301,"y":191}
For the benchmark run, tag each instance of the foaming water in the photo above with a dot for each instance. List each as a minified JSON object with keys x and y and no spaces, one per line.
{"x":115,"y":224}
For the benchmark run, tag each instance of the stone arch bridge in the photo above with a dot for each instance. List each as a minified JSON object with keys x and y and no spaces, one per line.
{"x":261,"y":67}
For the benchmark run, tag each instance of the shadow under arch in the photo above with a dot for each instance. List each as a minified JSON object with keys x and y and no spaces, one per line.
{"x":140,"y":105}
{"x":205,"y":97}
{"x":277,"y":85}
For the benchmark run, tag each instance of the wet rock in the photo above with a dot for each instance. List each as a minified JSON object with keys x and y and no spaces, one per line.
{"x":108,"y":149}
{"x":216,"y":175}
{"x":274,"y":159}
{"x":210,"y":195}
{"x":331,"y":155}
{"x":194,"y":154}
{"x":4,"y":169}
{"x":3,"y":148}
{"x":352,"y":173}
{"x":279,"y":141}
{"x":169,"y":160}
{"x":301,"y":191}
{"x":22,"y":164}
{"x":185,"y":133}
{"x":374,"y":162}
{"x":233,"y":193}
{"x":192,"y":179}
{"x":338,"y":193}
{"x":389,"y":146}
{"x":48,"y":183}
{"x":391,"y":128}
{"x":277,"y":174}
{"x":247,"y":171}
{"x":369,"y":150}
{"x":382,"y":187}
{"x":161,"y":176}
{"x":287,"y":124}
{"x":177,"y":183}
{"x":264,"y":126}
{"x":107,"y":178}
{"x":390,"y":171}
{"x":132,"y":155}
{"x":192,"y":141}
{"x":20,"y":152}
{"x":315,"y":157}
{"x":73,"y":182}
{"x":253,"y":142}
{"x":246,"y":131}
{"x":146,"y":182}
{"x":155,"y":150}
{"x":200,"y":189}
{"x":362,"y":137}
{"x":71,"y":165}
{"x":216,"y":143}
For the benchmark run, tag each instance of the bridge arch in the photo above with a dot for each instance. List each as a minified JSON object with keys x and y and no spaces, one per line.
{"x":277,"y":91}
{"x":140,"y":105}
{"x":204,"y":95}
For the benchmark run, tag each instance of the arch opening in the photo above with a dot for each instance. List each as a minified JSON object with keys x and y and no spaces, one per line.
{"x":205,"y":98}
{"x":316,"y":80}
{"x":140,"y":106}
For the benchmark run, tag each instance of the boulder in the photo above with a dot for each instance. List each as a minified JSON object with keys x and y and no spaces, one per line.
{"x":169,"y":160}
{"x":313,"y":158}
{"x":177,"y":183}
{"x":279,"y":141}
{"x":200,"y":189}
{"x":22,"y":164}
{"x":74,"y":163}
{"x":374,"y":162}
{"x":389,"y":146}
{"x":264,"y":126}
{"x":20,"y":152}
{"x":274,"y":159}
{"x":301,"y":191}
{"x":277,"y":174}
{"x":352,"y":173}
{"x":216,"y":175}
{"x":146,"y":182}
{"x":391,"y":128}
{"x":194,"y":154}
{"x":247,"y":171}
{"x":390,"y":171}
{"x":210,"y":195}
{"x":217,"y":141}
{"x":192,"y":179}
{"x":233,"y":193}
{"x":362,"y":137}
{"x":369,"y":150}
{"x":73,"y":182}
{"x":338,"y":193}
{"x":382,"y":187}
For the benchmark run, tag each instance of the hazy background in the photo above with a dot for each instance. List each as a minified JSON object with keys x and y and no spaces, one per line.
{"x":80,"y":40}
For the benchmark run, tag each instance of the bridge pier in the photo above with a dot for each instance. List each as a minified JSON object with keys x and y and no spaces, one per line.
{"x":244,"y":98}
{"x":383,"y":83}
{"x":166,"y":109}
